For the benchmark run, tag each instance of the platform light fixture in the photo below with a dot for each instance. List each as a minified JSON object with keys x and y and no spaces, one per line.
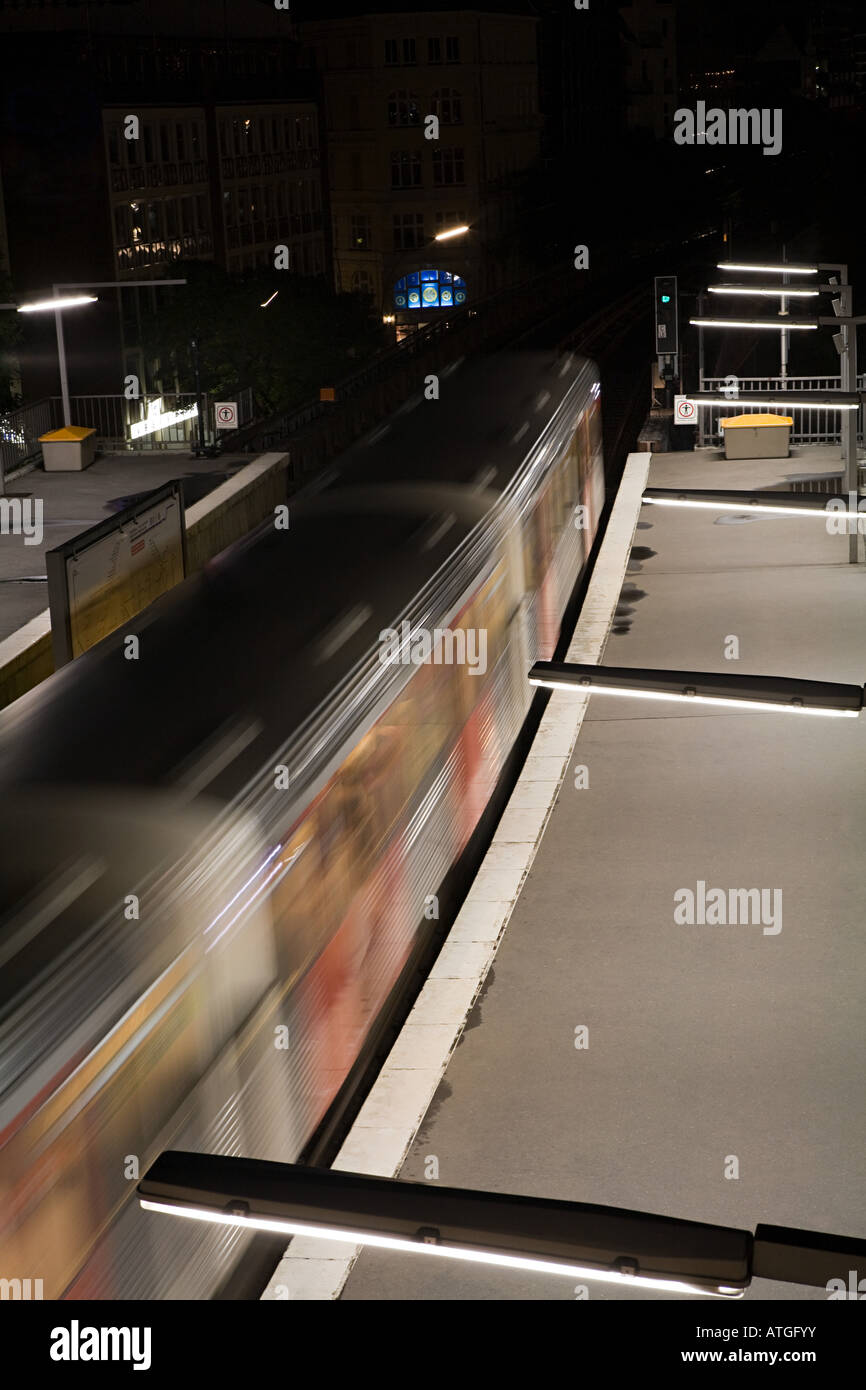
{"x":69,"y":301}
{"x":539,"y":1235}
{"x":779,"y":292}
{"x":780,"y":323}
{"x":768,"y":694}
{"x":774,"y":503}
{"x":828,"y":400}
{"x":785,"y":269}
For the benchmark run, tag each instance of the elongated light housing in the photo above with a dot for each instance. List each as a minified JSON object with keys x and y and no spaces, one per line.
{"x":572,"y":1239}
{"x":755,"y":323}
{"x":784,"y":269}
{"x":779,"y":291}
{"x":835,"y":401}
{"x":773,"y":503}
{"x":450,"y":232}
{"x":766,"y":693}
{"x":65,"y":302}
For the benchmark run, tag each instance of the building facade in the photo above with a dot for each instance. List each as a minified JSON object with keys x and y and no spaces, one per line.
{"x":649,"y":34}
{"x":238,"y":183}
{"x":430,"y":118}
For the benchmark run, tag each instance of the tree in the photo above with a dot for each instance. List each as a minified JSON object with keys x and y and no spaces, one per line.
{"x":306,"y":337}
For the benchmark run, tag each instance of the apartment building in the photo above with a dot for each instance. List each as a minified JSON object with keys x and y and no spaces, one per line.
{"x":430,"y":117}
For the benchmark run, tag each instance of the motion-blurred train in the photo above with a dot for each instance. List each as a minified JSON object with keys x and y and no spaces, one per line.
{"x":218,"y":858}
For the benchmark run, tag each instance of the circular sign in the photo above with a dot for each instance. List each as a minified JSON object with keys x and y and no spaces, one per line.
{"x":685,"y":411}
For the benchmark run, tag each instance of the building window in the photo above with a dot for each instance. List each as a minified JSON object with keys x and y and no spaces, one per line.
{"x":406,"y":169}
{"x":448,"y":106}
{"x":360,"y":231}
{"x":452,"y":50}
{"x":391,"y":56}
{"x":409,"y":52}
{"x":434,"y":50}
{"x":361,"y":282}
{"x":408,"y":230}
{"x":403,"y":109}
{"x":429,"y":289}
{"x":448,"y":166}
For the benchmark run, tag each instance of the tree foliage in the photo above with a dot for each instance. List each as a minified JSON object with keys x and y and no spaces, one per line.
{"x":307,"y":336}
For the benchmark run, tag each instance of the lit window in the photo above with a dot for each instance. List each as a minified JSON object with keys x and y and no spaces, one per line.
{"x":429,"y":289}
{"x":360,"y":231}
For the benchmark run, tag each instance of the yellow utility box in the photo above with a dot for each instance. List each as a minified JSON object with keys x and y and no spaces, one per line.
{"x":68,"y":450}
{"x":757,"y":436}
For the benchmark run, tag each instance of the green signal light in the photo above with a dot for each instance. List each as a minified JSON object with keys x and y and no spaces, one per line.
{"x":666,"y":299}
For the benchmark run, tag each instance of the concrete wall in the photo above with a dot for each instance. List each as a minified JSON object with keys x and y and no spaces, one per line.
{"x":235,"y":508}
{"x":224,"y":516}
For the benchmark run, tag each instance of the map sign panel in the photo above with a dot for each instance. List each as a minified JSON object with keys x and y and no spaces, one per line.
{"x":101,"y":580}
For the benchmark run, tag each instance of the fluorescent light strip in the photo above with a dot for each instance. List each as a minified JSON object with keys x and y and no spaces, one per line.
{"x":751,"y":323}
{"x":783,"y":291}
{"x":280,"y":1225}
{"x":452,"y":231}
{"x":749,"y":400}
{"x":770,"y":269}
{"x":743,"y":507}
{"x":68,"y":303}
{"x":724,"y":702}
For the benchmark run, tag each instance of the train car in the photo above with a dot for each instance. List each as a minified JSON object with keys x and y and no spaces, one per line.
{"x":224,"y":853}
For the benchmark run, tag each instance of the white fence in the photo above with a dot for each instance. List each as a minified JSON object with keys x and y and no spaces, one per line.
{"x":811,"y":426}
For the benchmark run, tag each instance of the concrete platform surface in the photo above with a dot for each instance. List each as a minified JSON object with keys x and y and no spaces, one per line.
{"x":72,"y":502}
{"x":722,"y":1081}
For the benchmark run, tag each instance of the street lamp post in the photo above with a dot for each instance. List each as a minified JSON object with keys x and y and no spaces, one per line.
{"x":90,"y":285}
{"x":58,"y":302}
{"x":846,"y":342}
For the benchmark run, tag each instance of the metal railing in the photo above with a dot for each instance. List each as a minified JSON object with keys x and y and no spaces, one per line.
{"x":113,"y":417}
{"x":19,"y":434}
{"x":811,"y":426}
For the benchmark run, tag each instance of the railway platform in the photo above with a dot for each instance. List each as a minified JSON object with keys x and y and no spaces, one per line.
{"x":575,"y":1040}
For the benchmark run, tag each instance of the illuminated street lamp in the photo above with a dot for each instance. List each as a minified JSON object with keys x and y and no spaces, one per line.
{"x":61,"y":302}
{"x":786,"y":268}
{"x":782,"y":291}
{"x":755,"y":323}
{"x":57,"y":303}
{"x":451,"y":232}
